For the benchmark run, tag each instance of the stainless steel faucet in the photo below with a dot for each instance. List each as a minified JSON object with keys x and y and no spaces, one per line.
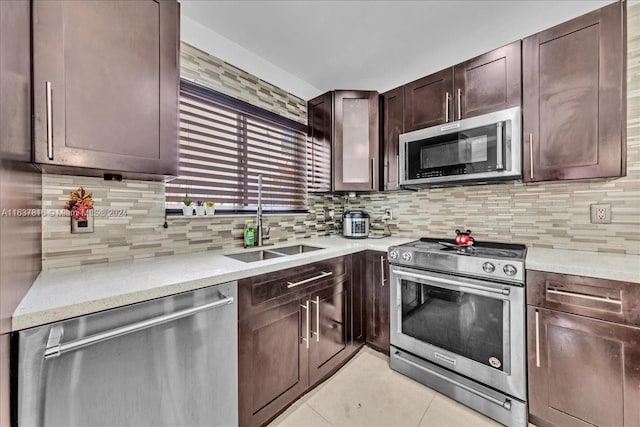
{"x":259,"y":229}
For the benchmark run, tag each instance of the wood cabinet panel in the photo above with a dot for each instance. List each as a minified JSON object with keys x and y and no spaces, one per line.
{"x":574,"y":98}
{"x":355,"y":141}
{"x":392,"y":127}
{"x":582,"y":371}
{"x":113,"y":100}
{"x":330,"y":330}
{"x":358,"y":300}
{"x":488,"y":83}
{"x":378,"y":294}
{"x":610,"y":300}
{"x":320,"y":115}
{"x":273,"y":362}
{"x":427,"y":101}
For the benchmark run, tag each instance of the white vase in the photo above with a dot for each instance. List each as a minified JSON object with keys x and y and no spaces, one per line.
{"x":200,"y":210}
{"x":187,"y":210}
{"x":211,"y":210}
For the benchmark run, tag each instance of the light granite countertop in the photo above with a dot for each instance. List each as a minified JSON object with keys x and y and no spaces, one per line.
{"x":601,"y":265}
{"x":69,"y":292}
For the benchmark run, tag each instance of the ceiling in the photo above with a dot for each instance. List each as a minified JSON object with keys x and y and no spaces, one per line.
{"x":374,"y":45}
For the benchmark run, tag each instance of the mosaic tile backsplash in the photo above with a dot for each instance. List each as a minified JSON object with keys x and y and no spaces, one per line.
{"x":551,"y":214}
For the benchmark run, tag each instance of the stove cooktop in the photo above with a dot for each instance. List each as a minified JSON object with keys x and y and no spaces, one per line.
{"x":491,"y":260}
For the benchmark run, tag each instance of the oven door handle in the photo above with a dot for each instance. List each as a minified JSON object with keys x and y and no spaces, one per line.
{"x":502,"y":291}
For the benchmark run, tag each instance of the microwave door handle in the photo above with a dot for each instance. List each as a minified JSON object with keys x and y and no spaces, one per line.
{"x":499,"y":147}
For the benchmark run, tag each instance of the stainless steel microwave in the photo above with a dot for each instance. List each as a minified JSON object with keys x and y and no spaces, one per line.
{"x":482,"y":148}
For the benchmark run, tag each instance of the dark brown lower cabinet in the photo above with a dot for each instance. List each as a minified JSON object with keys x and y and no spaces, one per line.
{"x":582,"y":371}
{"x":377,"y":297}
{"x":295,"y":328}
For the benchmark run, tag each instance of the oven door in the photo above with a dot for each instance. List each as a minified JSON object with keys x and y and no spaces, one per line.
{"x":473,"y":327}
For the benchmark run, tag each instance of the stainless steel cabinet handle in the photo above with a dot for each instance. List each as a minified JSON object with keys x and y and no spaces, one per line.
{"x":537,"y":339}
{"x":55,"y":349}
{"x":317,"y":332}
{"x":506,"y":404}
{"x":499,"y":147}
{"x":49,"y":120}
{"x":531,"y":155}
{"x":459,"y":102}
{"x":503,"y":291}
{"x":382,"y":278}
{"x":373,"y":173}
{"x":311,"y":279}
{"x":306,"y":310}
{"x":446,"y":107}
{"x":589,"y":297}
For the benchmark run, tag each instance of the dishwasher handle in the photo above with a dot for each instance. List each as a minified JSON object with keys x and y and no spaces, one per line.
{"x":55,"y":349}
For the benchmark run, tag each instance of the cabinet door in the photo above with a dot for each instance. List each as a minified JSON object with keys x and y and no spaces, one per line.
{"x":358,"y":308}
{"x":378,"y":301}
{"x":392,"y":127}
{"x":582,"y":371}
{"x":574,"y":117}
{"x":319,"y":113}
{"x":106,"y":84}
{"x":330,"y":324}
{"x":272,"y":361}
{"x":355,"y":142}
{"x":488,"y":83}
{"x":427,"y":101}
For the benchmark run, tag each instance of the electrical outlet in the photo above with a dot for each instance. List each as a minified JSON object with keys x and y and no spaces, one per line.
{"x":388,"y":213}
{"x":601,"y":214}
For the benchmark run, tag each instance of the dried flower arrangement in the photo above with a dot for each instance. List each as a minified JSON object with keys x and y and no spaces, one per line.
{"x":80,"y":202}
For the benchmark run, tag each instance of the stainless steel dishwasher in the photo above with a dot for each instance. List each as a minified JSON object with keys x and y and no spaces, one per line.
{"x":165,"y":362}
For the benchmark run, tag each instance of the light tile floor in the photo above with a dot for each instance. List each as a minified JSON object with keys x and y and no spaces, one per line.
{"x":366,"y":392}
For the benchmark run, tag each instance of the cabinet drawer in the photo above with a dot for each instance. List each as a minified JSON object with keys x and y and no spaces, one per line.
{"x":599,"y":298}
{"x":267,"y":290}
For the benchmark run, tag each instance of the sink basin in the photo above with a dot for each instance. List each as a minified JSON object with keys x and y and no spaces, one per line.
{"x":272,"y":253}
{"x":294,"y":250}
{"x":254,"y":256}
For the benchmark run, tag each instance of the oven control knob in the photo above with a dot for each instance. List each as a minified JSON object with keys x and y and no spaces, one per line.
{"x":509,"y":270}
{"x":393,"y":254}
{"x":488,"y":267}
{"x":406,"y":256}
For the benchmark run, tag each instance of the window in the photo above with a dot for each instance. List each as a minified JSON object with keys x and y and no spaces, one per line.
{"x":225,"y":144}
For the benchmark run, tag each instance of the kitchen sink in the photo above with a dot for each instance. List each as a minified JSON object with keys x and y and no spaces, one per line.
{"x":272,"y":253}
{"x":297,"y":249}
{"x":255,"y":256}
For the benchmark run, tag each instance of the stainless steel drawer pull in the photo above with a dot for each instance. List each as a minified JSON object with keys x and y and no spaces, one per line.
{"x":49,"y":120}
{"x":317,"y":332}
{"x":583,"y":296}
{"x":531,"y":155}
{"x":55,"y":349}
{"x":537,"y":339}
{"x":446,"y":107}
{"x":306,"y":316}
{"x":506,"y":404}
{"x":311,"y":279}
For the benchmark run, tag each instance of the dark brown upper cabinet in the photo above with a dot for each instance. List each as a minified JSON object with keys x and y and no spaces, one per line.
{"x":105,"y":86}
{"x":427,"y":101}
{"x":574,"y":115}
{"x":487,"y":83}
{"x":392,"y":126}
{"x":353,"y":140}
{"x":320,"y":113}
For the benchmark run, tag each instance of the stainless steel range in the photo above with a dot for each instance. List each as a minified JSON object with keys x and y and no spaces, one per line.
{"x":458,"y":322}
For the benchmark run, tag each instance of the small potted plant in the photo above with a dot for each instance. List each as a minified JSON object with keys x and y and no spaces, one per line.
{"x":210,"y":208}
{"x":187,"y":206}
{"x":200,"y":208}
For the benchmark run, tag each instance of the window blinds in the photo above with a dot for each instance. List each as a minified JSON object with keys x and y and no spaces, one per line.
{"x":223,"y":150}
